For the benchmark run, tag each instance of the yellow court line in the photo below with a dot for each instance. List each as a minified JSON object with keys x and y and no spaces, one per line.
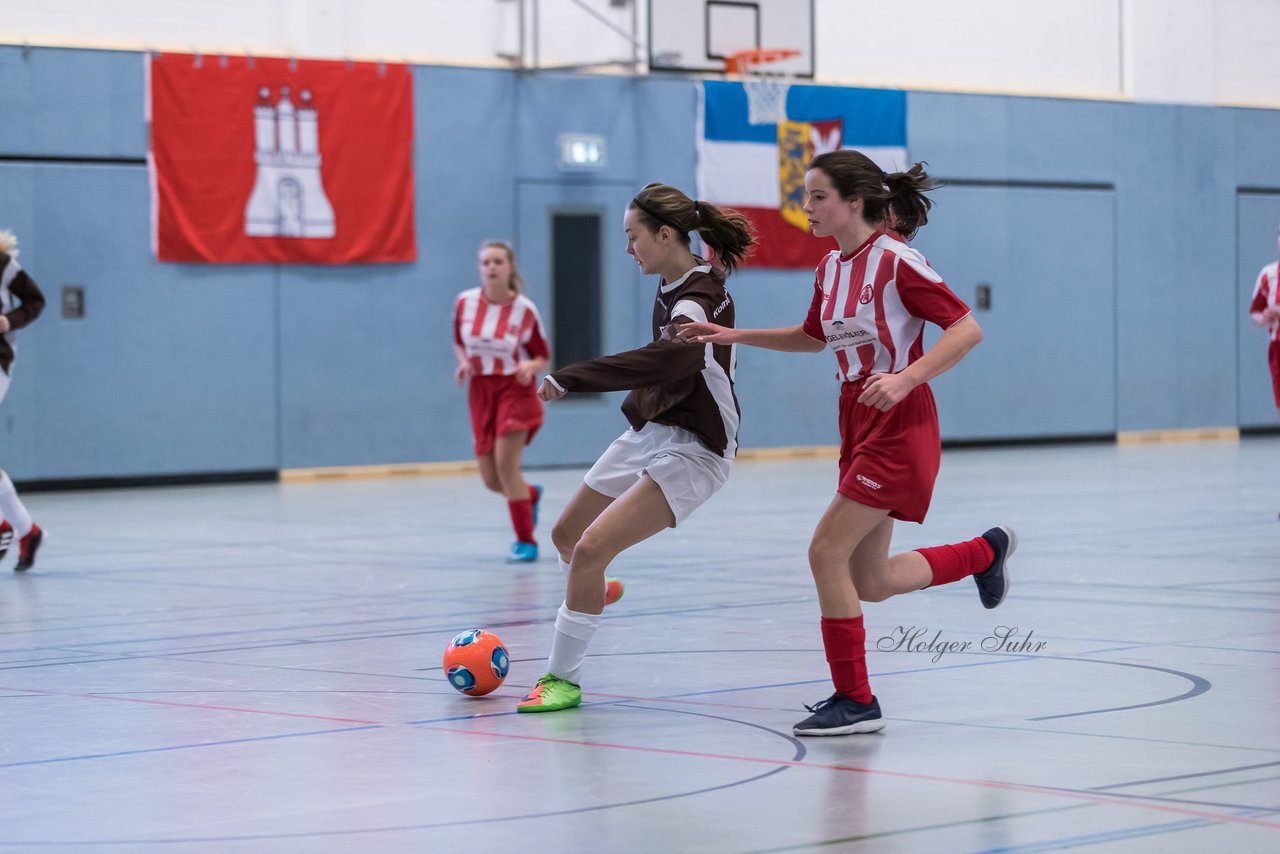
{"x":1194,"y":434}
{"x":795,"y":452}
{"x":445,"y":469}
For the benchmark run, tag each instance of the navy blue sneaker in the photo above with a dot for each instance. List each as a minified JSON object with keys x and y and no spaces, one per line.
{"x":841,"y":715}
{"x":993,"y":582}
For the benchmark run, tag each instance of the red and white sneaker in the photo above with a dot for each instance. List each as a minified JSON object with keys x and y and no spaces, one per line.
{"x":6,"y":537}
{"x":27,"y":547}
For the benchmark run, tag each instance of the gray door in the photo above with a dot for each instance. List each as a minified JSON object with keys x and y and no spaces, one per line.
{"x":578,"y":428}
{"x":1047,"y":364}
{"x":1258,"y":215}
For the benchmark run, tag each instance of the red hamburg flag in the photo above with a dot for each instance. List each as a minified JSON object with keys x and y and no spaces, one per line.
{"x":280,"y":161}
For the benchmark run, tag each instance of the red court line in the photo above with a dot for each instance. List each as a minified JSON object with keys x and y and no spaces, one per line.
{"x":991,"y":784}
{"x":192,"y":706}
{"x":907,"y":775}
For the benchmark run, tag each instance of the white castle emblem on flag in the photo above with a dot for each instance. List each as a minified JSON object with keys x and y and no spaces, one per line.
{"x":288,"y":199}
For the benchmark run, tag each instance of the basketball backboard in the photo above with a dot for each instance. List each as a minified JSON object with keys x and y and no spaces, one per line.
{"x":697,"y":35}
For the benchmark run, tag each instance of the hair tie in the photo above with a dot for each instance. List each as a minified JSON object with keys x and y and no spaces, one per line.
{"x":697,"y":209}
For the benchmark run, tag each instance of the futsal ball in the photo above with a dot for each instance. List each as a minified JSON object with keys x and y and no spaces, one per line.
{"x":476,"y":662}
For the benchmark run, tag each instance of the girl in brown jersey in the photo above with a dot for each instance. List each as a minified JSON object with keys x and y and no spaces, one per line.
{"x":683,"y":416}
{"x":14,"y":282}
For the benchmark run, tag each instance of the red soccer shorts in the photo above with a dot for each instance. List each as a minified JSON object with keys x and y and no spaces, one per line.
{"x":1273,"y":359}
{"x":890,"y":459}
{"x":500,"y":405}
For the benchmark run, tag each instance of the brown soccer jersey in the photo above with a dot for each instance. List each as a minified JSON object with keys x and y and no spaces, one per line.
{"x":14,"y":282}
{"x":674,"y":382}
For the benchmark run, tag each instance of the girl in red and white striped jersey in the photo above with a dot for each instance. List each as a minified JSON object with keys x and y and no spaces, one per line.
{"x":15,"y":314}
{"x":870,"y":302}
{"x":1265,"y":311}
{"x":501,"y":348}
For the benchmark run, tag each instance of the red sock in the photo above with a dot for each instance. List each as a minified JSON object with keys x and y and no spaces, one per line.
{"x":522,"y":519}
{"x":959,"y":560}
{"x":845,"y":643}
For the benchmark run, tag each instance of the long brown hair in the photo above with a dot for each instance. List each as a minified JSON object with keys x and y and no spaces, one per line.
{"x":516,"y":283}
{"x":895,"y":199}
{"x":725,"y":231}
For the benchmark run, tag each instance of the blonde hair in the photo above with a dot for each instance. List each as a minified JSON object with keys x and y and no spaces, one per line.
{"x":9,"y":243}
{"x":516,"y":282}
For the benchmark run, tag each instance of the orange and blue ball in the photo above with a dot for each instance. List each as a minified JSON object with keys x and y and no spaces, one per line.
{"x":476,"y":662}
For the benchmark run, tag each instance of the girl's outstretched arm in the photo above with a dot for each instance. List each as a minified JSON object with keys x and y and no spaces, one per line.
{"x":789,"y":339}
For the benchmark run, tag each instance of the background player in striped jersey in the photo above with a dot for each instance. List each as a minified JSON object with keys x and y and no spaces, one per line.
{"x":1265,"y":311}
{"x":14,"y":282}
{"x":683,"y":415}
{"x":870,"y":303}
{"x":501,"y":349}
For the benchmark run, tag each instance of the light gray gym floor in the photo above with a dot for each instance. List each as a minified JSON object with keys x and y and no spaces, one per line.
{"x":256,"y":668}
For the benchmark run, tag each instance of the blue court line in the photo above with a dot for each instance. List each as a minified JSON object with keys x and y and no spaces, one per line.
{"x":1127,"y":648}
{"x":799,"y":753}
{"x":1199,"y":685}
{"x":88,"y":648}
{"x":933,"y":722}
{"x":1097,"y":838}
{"x":1214,"y":773}
{"x":924,"y":828}
{"x":194,"y":746}
{"x":1233,"y":784}
{"x":1240,"y":809}
{"x":686,"y":695}
{"x":297,"y":627}
{"x":446,"y":629}
{"x":1115,"y":835}
{"x":1200,"y":819}
{"x":1190,"y":606}
{"x":1225,"y":648}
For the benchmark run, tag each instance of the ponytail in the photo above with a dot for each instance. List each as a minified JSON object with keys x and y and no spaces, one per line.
{"x":895,"y":200}
{"x":727,"y":232}
{"x":908,"y":204}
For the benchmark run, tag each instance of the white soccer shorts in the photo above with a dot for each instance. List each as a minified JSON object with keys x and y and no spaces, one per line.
{"x":687,"y":472}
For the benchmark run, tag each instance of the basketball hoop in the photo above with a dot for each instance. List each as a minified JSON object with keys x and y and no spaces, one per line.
{"x":765,"y":86}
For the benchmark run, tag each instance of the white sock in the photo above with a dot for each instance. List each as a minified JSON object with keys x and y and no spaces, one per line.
{"x":564,"y":567}
{"x":11,"y":507}
{"x":574,"y":631}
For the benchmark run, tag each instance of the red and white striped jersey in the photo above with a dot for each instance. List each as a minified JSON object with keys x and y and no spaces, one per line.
{"x":495,"y":337}
{"x":871,"y":306}
{"x":1265,"y":294}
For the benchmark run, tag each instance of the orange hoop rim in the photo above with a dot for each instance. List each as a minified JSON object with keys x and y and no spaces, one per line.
{"x":740,"y":61}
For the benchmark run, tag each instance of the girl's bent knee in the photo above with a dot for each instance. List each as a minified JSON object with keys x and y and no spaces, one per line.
{"x":823,"y":557}
{"x":873,"y":593}
{"x":563,"y":539}
{"x":592,"y":551}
